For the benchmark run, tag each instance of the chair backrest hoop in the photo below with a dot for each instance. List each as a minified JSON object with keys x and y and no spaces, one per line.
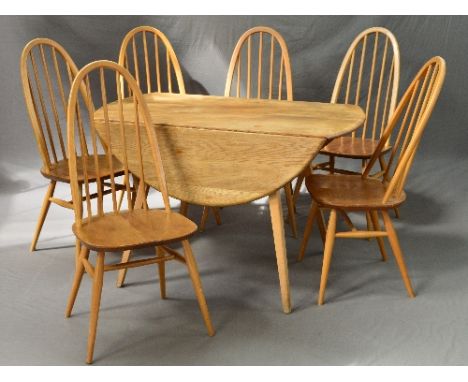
{"x":35,"y":107}
{"x":171,"y":59}
{"x":141,"y":110}
{"x":285,"y":64}
{"x":425,"y":89}
{"x":386,"y":95}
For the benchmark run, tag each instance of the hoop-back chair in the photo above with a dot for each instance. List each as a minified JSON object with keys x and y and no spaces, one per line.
{"x":103,"y":228}
{"x":371,"y":195}
{"x":148,"y":54}
{"x":260,"y":68}
{"x":47,"y":72}
{"x":368,"y":77}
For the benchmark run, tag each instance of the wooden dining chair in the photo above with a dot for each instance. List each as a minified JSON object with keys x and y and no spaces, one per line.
{"x":148,"y":54}
{"x":47,"y":72}
{"x":363,"y":193}
{"x":368,"y":77}
{"x":260,"y":68}
{"x":104,"y":227}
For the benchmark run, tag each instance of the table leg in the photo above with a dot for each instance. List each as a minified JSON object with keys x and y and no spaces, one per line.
{"x":276,"y":213}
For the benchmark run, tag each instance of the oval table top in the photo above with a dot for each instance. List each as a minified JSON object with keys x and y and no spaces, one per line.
{"x":221,"y":151}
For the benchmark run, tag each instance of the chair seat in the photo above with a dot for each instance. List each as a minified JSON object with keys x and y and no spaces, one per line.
{"x":350,"y":192}
{"x":59,"y":171}
{"x":349,"y":147}
{"x":133,"y":229}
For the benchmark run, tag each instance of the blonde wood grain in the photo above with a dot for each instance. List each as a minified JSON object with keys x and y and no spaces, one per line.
{"x":211,"y":156}
{"x":370,"y":194}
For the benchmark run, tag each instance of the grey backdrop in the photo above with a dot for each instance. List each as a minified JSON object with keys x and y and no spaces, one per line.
{"x":367,"y":320}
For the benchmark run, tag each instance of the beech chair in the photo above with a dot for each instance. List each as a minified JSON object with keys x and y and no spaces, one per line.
{"x":47,"y":72}
{"x":260,"y":68}
{"x":368,"y":77}
{"x":158,"y":71}
{"x":342,"y":193}
{"x":105,"y":228}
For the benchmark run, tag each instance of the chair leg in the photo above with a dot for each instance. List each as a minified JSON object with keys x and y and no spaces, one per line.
{"x":183,"y":208}
{"x":79,"y":271}
{"x":314,"y":210}
{"x":43,"y":214}
{"x":217,"y":215}
{"x":123,"y":272}
{"x":162,"y":273}
{"x":394,"y":243}
{"x":327,"y":254}
{"x":201,"y":228}
{"x":397,"y":212}
{"x":380,"y":241}
{"x":370,"y":227}
{"x":297,"y":187}
{"x":290,"y":204}
{"x":197,"y":286}
{"x":348,"y":220}
{"x":95,"y":304}
{"x":321,"y":226}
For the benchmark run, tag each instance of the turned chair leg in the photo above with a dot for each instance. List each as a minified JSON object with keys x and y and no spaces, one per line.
{"x":197,"y":286}
{"x":79,"y":271}
{"x":123,"y":272}
{"x":327,"y":255}
{"x":162,"y":273}
{"x":290,"y":204}
{"x":42,"y":215}
{"x":314,"y":211}
{"x":380,"y":241}
{"x":95,"y":304}
{"x":394,"y":243}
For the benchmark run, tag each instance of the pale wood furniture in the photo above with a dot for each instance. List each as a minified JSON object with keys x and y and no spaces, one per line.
{"x":220,"y":151}
{"x":102,"y":229}
{"x":341,"y":193}
{"x":369,"y":77}
{"x":158,"y":71}
{"x":260,"y":67}
{"x":47,"y":72}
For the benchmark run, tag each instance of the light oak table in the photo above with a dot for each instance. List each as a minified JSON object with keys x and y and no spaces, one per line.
{"x":220,"y":151}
